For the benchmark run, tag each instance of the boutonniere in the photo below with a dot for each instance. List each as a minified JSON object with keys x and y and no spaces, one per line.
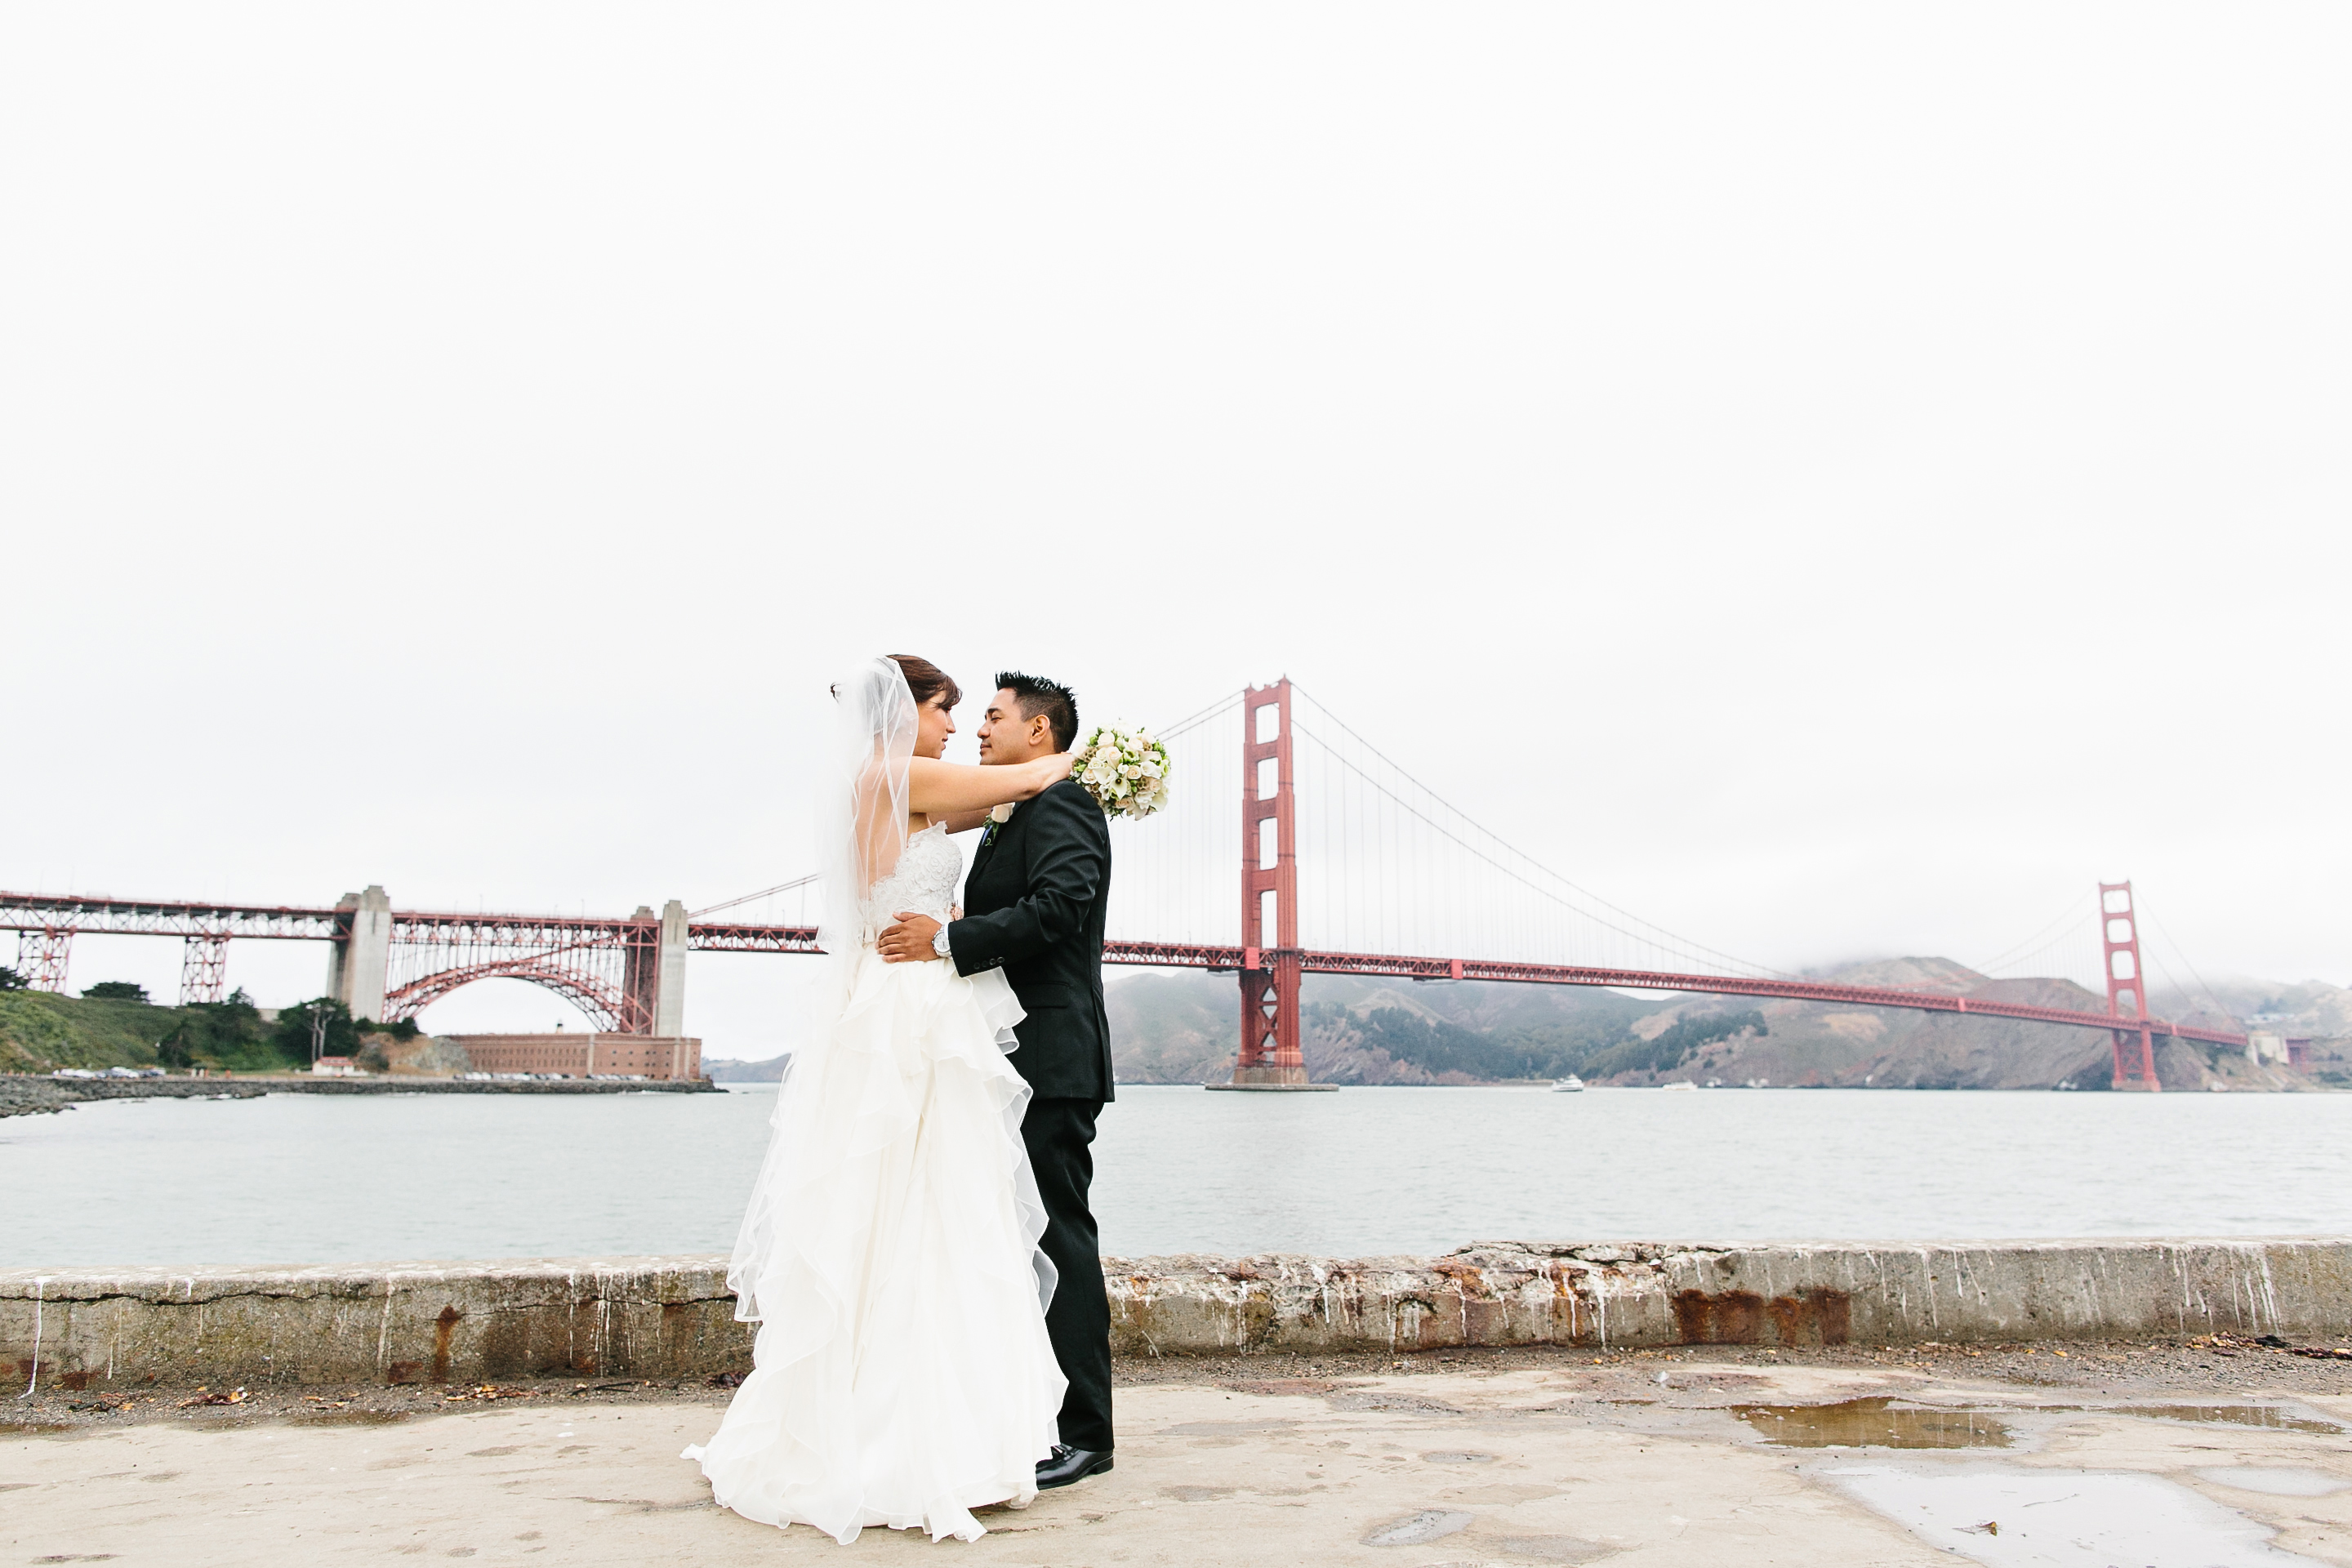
{"x":997,"y":817}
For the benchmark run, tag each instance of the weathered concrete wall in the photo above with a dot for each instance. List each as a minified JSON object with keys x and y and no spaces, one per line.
{"x":674,"y":1317}
{"x":416,"y":1322}
{"x":1513,"y":1293}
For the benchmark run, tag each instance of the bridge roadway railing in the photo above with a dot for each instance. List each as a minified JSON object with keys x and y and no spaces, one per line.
{"x":1184,"y":955}
{"x":102,"y":915}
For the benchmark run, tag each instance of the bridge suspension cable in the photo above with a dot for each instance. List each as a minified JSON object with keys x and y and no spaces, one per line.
{"x":792,"y":886}
{"x":1396,"y":866}
{"x":2081,"y":912}
{"x":2182,"y":953}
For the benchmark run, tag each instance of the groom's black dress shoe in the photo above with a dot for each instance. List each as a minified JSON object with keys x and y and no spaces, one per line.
{"x":1070,"y":1465}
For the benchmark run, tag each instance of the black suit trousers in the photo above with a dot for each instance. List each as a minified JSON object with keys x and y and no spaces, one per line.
{"x":1060,"y":1134}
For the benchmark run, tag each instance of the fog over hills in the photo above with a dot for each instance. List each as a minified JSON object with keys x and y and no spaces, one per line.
{"x":1180,"y":1029}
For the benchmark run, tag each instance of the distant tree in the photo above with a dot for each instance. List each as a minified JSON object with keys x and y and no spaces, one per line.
{"x":11,"y":981}
{"x":116,"y":991}
{"x":1443,"y":1047}
{"x":239,"y":998}
{"x":1676,"y":1044}
{"x":339,"y":1035}
{"x":220,"y":1033}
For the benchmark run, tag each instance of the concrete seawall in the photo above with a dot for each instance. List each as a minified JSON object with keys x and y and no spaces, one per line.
{"x":674,"y":1317}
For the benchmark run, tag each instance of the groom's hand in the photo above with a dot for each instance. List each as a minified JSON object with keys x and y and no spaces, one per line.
{"x":910,"y":940}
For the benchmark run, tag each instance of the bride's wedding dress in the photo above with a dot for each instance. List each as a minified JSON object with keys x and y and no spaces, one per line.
{"x":903,"y":1374}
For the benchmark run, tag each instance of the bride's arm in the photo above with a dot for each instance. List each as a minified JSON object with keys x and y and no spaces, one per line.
{"x":964,"y":821}
{"x":951,"y":789}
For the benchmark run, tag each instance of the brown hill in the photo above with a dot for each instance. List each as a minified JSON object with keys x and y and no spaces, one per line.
{"x":729,"y":1070}
{"x":1180,"y":1029}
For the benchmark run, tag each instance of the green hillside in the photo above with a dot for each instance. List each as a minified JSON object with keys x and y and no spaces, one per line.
{"x":39,"y":1032}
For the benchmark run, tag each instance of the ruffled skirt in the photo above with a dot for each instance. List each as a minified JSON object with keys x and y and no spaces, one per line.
{"x":902,"y":1373}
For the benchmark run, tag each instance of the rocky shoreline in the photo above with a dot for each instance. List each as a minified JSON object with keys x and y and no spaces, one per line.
{"x":30,"y":1096}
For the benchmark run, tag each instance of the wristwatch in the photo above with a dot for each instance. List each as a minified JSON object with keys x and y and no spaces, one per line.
{"x":939,"y":942}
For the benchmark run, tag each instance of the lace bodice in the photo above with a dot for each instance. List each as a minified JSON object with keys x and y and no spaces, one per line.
{"x":923,"y":884}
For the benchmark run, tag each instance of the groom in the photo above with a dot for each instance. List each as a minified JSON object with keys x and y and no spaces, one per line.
{"x":1036,"y":897}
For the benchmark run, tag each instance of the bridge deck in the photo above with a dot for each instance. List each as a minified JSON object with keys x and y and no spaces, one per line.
{"x":1189,"y":956}
{"x":104,"y":915}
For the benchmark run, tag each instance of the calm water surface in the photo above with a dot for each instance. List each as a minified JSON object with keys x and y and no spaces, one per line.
{"x":313,"y":1179}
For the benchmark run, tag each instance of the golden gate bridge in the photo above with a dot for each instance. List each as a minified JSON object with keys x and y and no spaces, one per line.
{"x":1349,"y":865}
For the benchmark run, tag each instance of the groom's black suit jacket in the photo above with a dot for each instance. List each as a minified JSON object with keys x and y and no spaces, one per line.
{"x":1034,"y":902}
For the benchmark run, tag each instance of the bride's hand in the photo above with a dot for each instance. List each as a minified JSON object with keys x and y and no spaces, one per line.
{"x":1058,"y":766}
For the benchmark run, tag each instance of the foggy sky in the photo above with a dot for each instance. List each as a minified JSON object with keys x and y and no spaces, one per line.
{"x":1833,"y":480}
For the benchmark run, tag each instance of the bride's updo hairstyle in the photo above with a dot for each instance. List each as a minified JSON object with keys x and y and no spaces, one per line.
{"x":928,"y":680}
{"x":924,"y":678}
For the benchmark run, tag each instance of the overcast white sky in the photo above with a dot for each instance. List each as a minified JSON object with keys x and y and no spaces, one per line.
{"x":1833,"y":479}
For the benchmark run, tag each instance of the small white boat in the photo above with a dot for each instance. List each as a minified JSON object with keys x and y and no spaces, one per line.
{"x":1692,"y":1087}
{"x":1571,"y":1084}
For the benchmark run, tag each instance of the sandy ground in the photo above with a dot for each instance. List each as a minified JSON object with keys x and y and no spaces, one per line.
{"x":2107,"y":1454}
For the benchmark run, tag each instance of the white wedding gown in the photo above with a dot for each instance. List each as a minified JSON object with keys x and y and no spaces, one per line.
{"x":902,"y":1374}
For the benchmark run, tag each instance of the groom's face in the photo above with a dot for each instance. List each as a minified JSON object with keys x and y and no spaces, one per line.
{"x":1007,"y":737}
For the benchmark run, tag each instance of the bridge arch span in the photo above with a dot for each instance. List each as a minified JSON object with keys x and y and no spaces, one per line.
{"x":606,"y":1007}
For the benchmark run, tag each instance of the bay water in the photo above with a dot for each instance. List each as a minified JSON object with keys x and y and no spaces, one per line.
{"x":295,"y":1179}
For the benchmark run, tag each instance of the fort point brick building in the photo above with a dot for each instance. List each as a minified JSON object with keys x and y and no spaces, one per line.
{"x":586,"y":1054}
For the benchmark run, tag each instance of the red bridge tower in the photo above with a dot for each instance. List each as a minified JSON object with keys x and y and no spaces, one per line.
{"x":1269,"y":1055}
{"x":2126,"y":983}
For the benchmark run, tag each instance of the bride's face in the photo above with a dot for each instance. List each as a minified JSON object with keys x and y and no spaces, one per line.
{"x":933,"y":725}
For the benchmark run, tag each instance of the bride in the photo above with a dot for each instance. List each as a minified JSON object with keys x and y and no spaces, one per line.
{"x":902,"y":1373}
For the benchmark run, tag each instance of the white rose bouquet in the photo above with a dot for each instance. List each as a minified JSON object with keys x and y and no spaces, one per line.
{"x":1126,"y":770}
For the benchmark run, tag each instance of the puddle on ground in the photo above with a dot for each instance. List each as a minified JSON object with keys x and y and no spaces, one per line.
{"x":2267,"y":1416}
{"x":1420,"y":1529}
{"x":2275,"y":1481}
{"x":346,"y":1418}
{"x":2010,"y":1518}
{"x":1872,"y":1424}
{"x":1883,"y":1422}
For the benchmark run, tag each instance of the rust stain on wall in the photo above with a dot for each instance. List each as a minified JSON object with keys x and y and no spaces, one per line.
{"x":445,"y":1327}
{"x":1810,"y":1317}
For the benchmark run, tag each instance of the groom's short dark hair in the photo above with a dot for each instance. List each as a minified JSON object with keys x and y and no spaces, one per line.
{"x":1036,"y":695}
